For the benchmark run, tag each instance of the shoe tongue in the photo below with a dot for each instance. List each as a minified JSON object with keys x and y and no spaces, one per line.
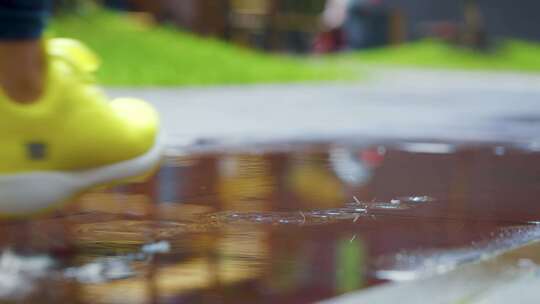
{"x":74,"y":53}
{"x":67,"y":58}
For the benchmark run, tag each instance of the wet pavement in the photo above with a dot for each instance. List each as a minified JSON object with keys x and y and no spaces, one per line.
{"x":295,"y":224}
{"x":296,"y":194}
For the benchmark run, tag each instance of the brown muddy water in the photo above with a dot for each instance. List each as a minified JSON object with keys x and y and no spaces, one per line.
{"x":291,"y":223}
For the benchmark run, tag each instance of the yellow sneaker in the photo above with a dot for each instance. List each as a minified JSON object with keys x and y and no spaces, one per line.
{"x":72,"y":138}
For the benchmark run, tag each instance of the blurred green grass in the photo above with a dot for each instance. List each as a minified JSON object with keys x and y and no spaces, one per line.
{"x":137,"y":54}
{"x":510,"y":55}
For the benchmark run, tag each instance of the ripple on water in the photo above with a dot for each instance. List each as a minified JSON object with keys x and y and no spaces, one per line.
{"x":352,"y":211}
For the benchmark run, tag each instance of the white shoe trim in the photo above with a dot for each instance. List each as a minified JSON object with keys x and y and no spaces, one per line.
{"x":32,"y":192}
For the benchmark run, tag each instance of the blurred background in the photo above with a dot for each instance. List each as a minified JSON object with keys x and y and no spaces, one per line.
{"x":464,"y":34}
{"x":330,"y":25}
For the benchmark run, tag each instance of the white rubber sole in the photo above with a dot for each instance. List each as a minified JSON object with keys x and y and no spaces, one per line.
{"x":34,"y":192}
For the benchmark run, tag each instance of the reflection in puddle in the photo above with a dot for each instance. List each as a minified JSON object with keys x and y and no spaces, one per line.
{"x":428,"y":148}
{"x":286,"y":226}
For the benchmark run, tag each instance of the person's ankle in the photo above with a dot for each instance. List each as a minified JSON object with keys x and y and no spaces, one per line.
{"x":22,"y":70}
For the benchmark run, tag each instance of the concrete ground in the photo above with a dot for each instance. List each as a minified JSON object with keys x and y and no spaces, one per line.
{"x":511,"y":277}
{"x":391,"y":103}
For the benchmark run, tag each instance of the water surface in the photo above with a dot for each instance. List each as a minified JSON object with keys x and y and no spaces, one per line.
{"x":291,"y":223}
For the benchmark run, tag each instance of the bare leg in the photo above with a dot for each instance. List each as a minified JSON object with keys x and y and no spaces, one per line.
{"x":22,"y":56}
{"x":22,"y":69}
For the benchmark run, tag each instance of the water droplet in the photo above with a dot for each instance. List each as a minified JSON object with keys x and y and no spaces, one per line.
{"x":386,"y":206}
{"x":416,"y":199}
{"x":526,"y":263}
{"x":499,"y":150}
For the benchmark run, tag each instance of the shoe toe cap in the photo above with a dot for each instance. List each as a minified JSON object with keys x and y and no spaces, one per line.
{"x":141,"y":123}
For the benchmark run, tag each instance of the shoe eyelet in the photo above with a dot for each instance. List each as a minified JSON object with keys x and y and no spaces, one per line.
{"x":36,"y":150}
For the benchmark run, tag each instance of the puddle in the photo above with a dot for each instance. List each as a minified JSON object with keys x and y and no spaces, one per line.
{"x":294,"y":223}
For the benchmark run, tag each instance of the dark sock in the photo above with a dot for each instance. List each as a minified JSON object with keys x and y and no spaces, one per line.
{"x":23,"y":19}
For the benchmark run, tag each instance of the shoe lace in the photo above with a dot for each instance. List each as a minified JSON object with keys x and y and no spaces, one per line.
{"x":77,"y":55}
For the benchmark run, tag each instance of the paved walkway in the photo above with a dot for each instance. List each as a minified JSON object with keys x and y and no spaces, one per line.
{"x":391,"y":103}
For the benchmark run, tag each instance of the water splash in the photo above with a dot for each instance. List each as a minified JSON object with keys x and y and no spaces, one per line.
{"x":102,"y":270}
{"x":413,"y":265}
{"x":115,"y":268}
{"x":18,"y":274}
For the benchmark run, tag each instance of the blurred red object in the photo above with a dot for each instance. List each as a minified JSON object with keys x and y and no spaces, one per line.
{"x":329,"y":41}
